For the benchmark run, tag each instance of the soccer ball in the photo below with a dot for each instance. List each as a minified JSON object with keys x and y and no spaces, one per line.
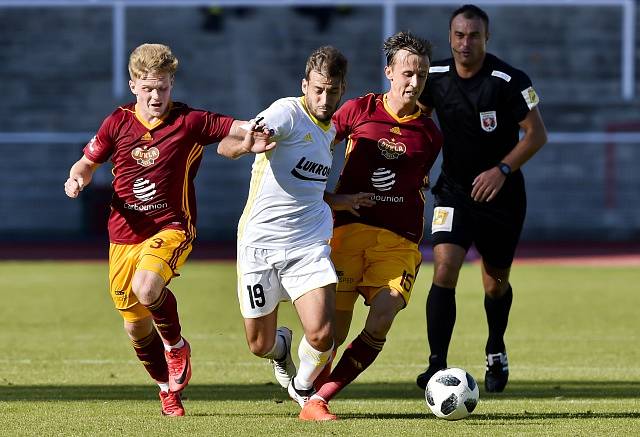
{"x":452,"y":393}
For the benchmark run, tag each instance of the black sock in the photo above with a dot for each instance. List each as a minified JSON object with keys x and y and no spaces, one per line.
{"x":497,"y":318}
{"x":441,"y":316}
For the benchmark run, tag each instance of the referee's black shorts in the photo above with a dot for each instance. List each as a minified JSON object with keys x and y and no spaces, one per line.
{"x":493,"y":227}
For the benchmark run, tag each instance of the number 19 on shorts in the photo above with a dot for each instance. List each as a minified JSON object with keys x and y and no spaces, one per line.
{"x":256,"y":296}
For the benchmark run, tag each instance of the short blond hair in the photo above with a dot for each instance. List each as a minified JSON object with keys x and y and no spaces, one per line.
{"x":152,"y":58}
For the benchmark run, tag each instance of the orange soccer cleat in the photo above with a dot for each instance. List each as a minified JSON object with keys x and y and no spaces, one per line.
{"x":171,"y":403}
{"x":316,"y":409}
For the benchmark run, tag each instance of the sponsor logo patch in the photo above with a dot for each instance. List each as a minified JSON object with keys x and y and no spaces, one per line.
{"x":442,"y":219}
{"x":502,"y":75}
{"x":395,"y":130}
{"x":488,"y":121}
{"x":144,"y":189}
{"x":311,"y":171}
{"x":383,"y":179}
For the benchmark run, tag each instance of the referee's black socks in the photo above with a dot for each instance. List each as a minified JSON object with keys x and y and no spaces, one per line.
{"x":441,"y":316}
{"x":497,"y":318}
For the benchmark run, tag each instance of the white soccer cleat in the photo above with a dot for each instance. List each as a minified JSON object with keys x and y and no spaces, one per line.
{"x":299,"y":396}
{"x":284,"y":369}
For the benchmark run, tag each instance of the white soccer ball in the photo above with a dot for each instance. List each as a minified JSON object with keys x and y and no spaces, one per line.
{"x":452,"y":393}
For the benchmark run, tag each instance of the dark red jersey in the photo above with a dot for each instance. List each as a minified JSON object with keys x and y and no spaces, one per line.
{"x":154,"y":167}
{"x":390,"y":156}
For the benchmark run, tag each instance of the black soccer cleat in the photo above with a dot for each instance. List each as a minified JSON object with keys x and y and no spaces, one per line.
{"x":497,"y":374}
{"x":423,"y":379}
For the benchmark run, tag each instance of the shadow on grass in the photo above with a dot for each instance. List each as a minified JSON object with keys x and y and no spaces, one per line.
{"x":242,"y":392}
{"x":525,"y":415}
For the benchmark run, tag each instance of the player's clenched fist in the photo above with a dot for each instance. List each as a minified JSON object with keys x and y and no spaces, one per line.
{"x":73,"y":186}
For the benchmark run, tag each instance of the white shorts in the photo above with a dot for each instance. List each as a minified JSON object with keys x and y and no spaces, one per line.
{"x":267,"y":277}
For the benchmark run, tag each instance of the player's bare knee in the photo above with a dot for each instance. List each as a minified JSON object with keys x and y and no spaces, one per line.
{"x":496,"y":290}
{"x":445,"y":275}
{"x":146,"y":288}
{"x":138,"y":329}
{"x":321,"y":339}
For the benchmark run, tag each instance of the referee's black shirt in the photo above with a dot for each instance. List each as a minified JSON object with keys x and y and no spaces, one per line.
{"x":478,"y":116}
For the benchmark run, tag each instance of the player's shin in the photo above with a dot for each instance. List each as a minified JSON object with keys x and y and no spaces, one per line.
{"x":165,"y":315}
{"x":150,"y":352}
{"x":441,"y":318}
{"x":312,"y":361}
{"x":497,"y":310}
{"x":356,"y":358}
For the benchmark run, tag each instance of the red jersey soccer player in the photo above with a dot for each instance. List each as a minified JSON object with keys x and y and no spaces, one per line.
{"x":156,"y":146}
{"x":390,"y":150}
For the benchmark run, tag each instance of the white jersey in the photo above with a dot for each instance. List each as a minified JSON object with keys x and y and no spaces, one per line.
{"x":285,"y":205}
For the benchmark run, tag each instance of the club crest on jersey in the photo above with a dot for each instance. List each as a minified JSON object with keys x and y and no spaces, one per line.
{"x":391,"y":149}
{"x":488,"y":121}
{"x":309,"y":171}
{"x":145,"y":156}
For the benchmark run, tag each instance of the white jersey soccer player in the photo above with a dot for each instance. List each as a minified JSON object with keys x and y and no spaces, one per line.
{"x":284,"y":231}
{"x":285,"y":217}
{"x":285,"y":204}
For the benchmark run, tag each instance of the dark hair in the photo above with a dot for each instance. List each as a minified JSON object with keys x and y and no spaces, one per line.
{"x":406,"y":41}
{"x":328,"y":61}
{"x":471,"y":11}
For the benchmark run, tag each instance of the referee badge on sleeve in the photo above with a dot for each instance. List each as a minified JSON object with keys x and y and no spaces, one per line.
{"x":442,"y":219}
{"x":531,"y":97}
{"x":488,"y":121}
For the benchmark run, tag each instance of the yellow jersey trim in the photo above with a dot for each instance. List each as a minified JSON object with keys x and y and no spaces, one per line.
{"x":257,"y":176}
{"x":148,"y":125}
{"x":324,"y":125}
{"x":404,"y":119}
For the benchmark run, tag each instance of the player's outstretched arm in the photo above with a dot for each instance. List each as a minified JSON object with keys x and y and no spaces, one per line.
{"x":79,"y":176}
{"x":246,"y":137}
{"x":349,"y":202}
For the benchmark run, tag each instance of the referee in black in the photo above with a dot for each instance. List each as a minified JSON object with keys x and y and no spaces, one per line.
{"x":481,"y":103}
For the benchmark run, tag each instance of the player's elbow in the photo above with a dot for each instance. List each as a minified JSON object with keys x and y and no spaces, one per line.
{"x":540,"y":138}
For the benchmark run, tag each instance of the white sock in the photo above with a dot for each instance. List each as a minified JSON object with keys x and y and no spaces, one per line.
{"x":278,"y":350}
{"x":164,"y":386}
{"x":312,"y":362}
{"x":178,"y":345}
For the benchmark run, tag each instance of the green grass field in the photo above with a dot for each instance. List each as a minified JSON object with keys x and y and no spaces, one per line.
{"x":67,"y":367}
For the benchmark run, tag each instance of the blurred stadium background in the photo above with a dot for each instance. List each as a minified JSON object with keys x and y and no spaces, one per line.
{"x":64,"y":69}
